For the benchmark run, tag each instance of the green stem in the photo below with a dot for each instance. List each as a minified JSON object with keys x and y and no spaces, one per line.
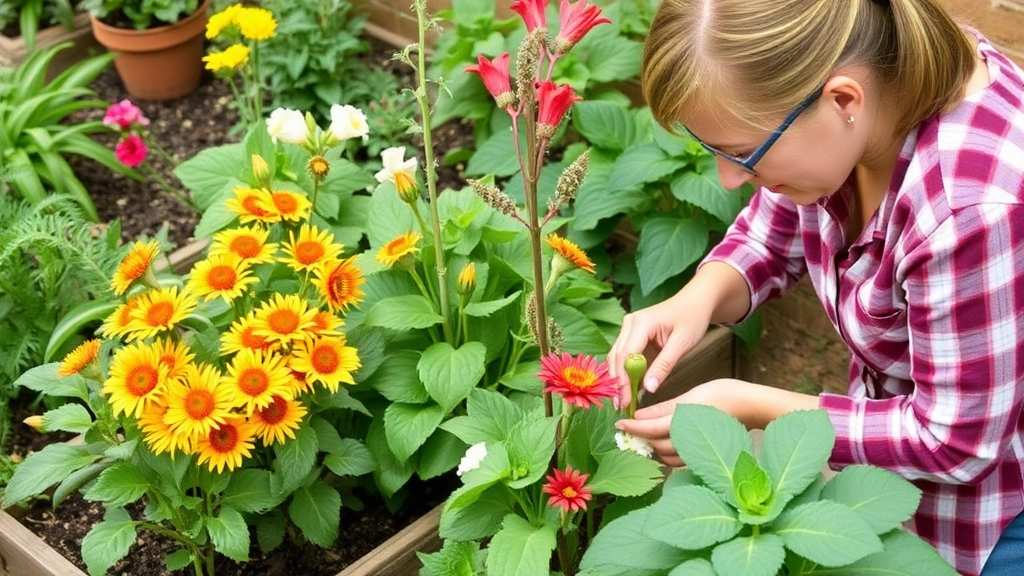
{"x":257,"y":91}
{"x":316,"y":190}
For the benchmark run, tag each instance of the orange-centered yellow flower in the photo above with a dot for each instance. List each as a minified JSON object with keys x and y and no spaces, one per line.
{"x":242,"y":336}
{"x":570,"y":252}
{"x":401,"y":246}
{"x":278,"y":420}
{"x":326,"y":359}
{"x":284,"y":319}
{"x":248,"y":243}
{"x":79,"y":358}
{"x":199,"y":402}
{"x":136,"y":379}
{"x":223,"y":276}
{"x":312,"y":247}
{"x":158,"y":435}
{"x":326,"y":324}
{"x":174,"y":355}
{"x":159,"y":311}
{"x":339,"y":282}
{"x":252,"y":205}
{"x":289,"y":206}
{"x":134,"y":265}
{"x":255,"y":378}
{"x":226,"y":445}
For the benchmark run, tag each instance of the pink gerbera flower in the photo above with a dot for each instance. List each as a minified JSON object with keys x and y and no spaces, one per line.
{"x":532,"y":12}
{"x":567,"y":490}
{"x":580,"y":381}
{"x":553,"y":101}
{"x":575,"y":20}
{"x":131,"y":150}
{"x":123,"y":115}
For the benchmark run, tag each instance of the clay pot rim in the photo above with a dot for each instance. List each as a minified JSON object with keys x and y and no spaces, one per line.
{"x":112,"y":33}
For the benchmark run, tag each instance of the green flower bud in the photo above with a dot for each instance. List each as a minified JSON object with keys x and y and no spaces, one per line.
{"x":636,"y":365}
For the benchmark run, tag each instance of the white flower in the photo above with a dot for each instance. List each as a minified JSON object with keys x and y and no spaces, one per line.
{"x":288,"y":126}
{"x":348,"y":122}
{"x":474,"y":456}
{"x":628,"y":442}
{"x":396,"y":169}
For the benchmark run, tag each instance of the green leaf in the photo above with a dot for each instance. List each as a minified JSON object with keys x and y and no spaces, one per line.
{"x":390,"y":474}
{"x":703,"y":190}
{"x":108,"y":541}
{"x":296,"y":457}
{"x":604,"y":124}
{"x":390,"y":217}
{"x":72,"y":418}
{"x":73,"y":321}
{"x":668,"y":246}
{"x":496,"y":156}
{"x":251,"y":490}
{"x":479,"y":520}
{"x":484,"y":309}
{"x":229,"y":534}
{"x":641,"y":164}
{"x":178,"y":560}
{"x":520,"y":548}
{"x":407,"y":427}
{"x":351,"y":458}
{"x":43,"y":469}
{"x":624,"y":542}
{"x":904,"y":555}
{"x":882,"y":498}
{"x":827,"y":533}
{"x":531,"y":444}
{"x":795,"y":448}
{"x":44,"y":379}
{"x":270,"y":531}
{"x":596,"y":200}
{"x":615,"y":57}
{"x":449,"y":375}
{"x":709,"y":441}
{"x":316,"y":510}
{"x":493,"y":469}
{"x":695,"y":567}
{"x":491,"y":417}
{"x":119,"y":485}
{"x":454,"y":559}
{"x":760,"y":555}
{"x":691,"y":518}
{"x":751,"y":484}
{"x":625,"y":474}
{"x":211,"y":172}
{"x":403,"y":313}
{"x":398,"y":380}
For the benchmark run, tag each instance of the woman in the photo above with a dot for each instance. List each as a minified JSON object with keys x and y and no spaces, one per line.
{"x":887,"y":148}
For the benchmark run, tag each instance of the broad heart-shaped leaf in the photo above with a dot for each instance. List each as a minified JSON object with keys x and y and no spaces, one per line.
{"x":494,"y":156}
{"x":795,"y":447}
{"x":760,"y":555}
{"x":596,"y":200}
{"x":251,"y":490}
{"x":827,"y":533}
{"x":709,"y":441}
{"x":668,"y":246}
{"x":350,"y":458}
{"x":604,"y":124}
{"x":398,"y":380}
{"x":624,"y":542}
{"x":390,"y":474}
{"x":904,"y":555}
{"x":44,"y":379}
{"x":882,"y":498}
{"x":441,"y":453}
{"x":624,"y":473}
{"x":118,"y":485}
{"x":495,"y":407}
{"x":108,"y":541}
{"x":703,"y":190}
{"x":407,"y":427}
{"x":695,"y":567}
{"x":520,"y":548}
{"x":316,"y":510}
{"x":617,"y":57}
{"x":295,"y":458}
{"x":641,"y":164}
{"x":531,"y":445}
{"x":69,"y":418}
{"x":454,"y":559}
{"x":493,"y":469}
{"x":691,"y":518}
{"x":44,"y":469}
{"x":229,"y":534}
{"x":403,"y":313}
{"x":479,"y":520}
{"x":449,"y":375}
{"x":390,"y":217}
{"x":210,"y":172}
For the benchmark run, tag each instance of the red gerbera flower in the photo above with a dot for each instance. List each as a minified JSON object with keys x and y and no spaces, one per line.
{"x":496,"y":79}
{"x":553,"y":102}
{"x":575,"y":20}
{"x":131,"y":150}
{"x":532,"y":12}
{"x":580,"y":381}
{"x":567,"y":489}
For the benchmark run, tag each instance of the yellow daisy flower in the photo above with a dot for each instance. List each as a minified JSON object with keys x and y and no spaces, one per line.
{"x":394,"y":250}
{"x":136,"y":379}
{"x":158,"y":435}
{"x":247,"y":243}
{"x":134,"y":265}
{"x":277,"y":420}
{"x":570,"y":251}
{"x":79,"y":358}
{"x":174,"y":355}
{"x":299,"y":382}
{"x":254,"y":378}
{"x":251,"y":205}
{"x":284,"y":319}
{"x":226,"y":277}
{"x":325,"y":323}
{"x":242,"y":336}
{"x":116,"y":325}
{"x":221,"y":20}
{"x":226,"y":445}
{"x":199,"y":402}
{"x":312,"y":247}
{"x":326,"y":360}
{"x":288,"y":205}
{"x":231,"y":58}
{"x":256,"y":23}
{"x":339,"y":282}
{"x":159,"y":311}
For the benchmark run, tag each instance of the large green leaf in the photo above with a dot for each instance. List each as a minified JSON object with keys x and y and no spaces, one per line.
{"x":703,"y":190}
{"x":495,"y":156}
{"x":389,"y":217}
{"x":212,"y":173}
{"x":882,"y":498}
{"x":827,"y":533}
{"x":229,"y":534}
{"x":691,"y":518}
{"x":641,"y":164}
{"x":45,"y":379}
{"x":520,"y":548}
{"x":709,"y":441}
{"x":295,"y":458}
{"x":407,"y":427}
{"x":605,"y":124}
{"x":351,"y":458}
{"x":479,"y":520}
{"x":390,"y":474}
{"x":904,"y":555}
{"x":624,"y":542}
{"x":668,"y":246}
{"x":119,"y":485}
{"x":43,"y":469}
{"x":531,"y":444}
{"x":624,"y":473}
{"x":70,"y":417}
{"x":403,"y":313}
{"x":251,"y":490}
{"x":795,"y":448}
{"x":398,"y":380}
{"x":316,"y":510}
{"x":613,"y":57}
{"x":760,"y":555}
{"x":450,"y":374}
{"x":108,"y":541}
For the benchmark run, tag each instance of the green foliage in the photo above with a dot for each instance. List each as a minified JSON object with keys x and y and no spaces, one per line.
{"x":141,"y":14}
{"x":732,"y":513}
{"x":32,"y":15}
{"x":35,"y":133}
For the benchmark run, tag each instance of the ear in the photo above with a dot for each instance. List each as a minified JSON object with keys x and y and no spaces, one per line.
{"x":845,"y":92}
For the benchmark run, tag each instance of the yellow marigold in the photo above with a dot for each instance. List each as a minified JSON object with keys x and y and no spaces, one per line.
{"x":226,"y":445}
{"x":248,"y":243}
{"x":326,"y":323}
{"x":136,"y":379}
{"x":256,"y":23}
{"x":278,"y":420}
{"x":284,"y":319}
{"x":158,"y":435}
{"x":339,"y":282}
{"x":224,"y":276}
{"x":175,"y":355}
{"x":79,"y":358}
{"x":221,"y":20}
{"x":312,"y":247}
{"x":401,"y":246}
{"x":232,"y":58}
{"x":288,"y":205}
{"x":159,"y":311}
{"x":116,"y":325}
{"x":198,"y":403}
{"x":134,"y":265}
{"x":326,"y":360}
{"x":252,"y":205}
{"x":242,"y":336}
{"x":254,"y":378}
{"x":570,"y":251}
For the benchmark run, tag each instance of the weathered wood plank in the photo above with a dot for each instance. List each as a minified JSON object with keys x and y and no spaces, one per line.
{"x":22,"y":553}
{"x":397,"y":556}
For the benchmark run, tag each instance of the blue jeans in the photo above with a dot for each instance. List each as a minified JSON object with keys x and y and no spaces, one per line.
{"x":1007,"y":557}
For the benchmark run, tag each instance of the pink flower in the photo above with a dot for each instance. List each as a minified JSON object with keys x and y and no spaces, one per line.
{"x":532,"y":12}
{"x":567,"y":489}
{"x":575,"y":20}
{"x":496,"y":79}
{"x":124,"y":115}
{"x":553,"y":102}
{"x":131,"y":150}
{"x":580,"y":380}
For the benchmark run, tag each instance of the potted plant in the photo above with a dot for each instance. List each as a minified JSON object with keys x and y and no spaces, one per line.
{"x":159,"y":45}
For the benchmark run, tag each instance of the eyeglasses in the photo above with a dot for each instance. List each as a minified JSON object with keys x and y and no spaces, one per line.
{"x":751,"y":160}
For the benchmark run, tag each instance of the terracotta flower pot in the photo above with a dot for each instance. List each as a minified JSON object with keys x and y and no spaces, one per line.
{"x":159,"y":63}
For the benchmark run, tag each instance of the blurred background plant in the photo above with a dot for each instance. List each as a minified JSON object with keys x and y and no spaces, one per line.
{"x":33,"y":15}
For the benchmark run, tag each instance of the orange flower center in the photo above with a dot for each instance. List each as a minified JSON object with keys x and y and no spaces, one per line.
{"x":569,"y":492}
{"x":141,"y":380}
{"x":169,"y":360}
{"x":221,"y":277}
{"x":396,"y":246}
{"x":198,"y":404}
{"x":341,"y":287}
{"x":224,"y":439}
{"x":134,"y":266}
{"x":309,"y":252}
{"x":251,"y":340}
{"x":283,"y":321}
{"x":252,"y":205}
{"x":325,"y":359}
{"x":578,"y":378}
{"x":285,"y":203}
{"x":253,"y":381}
{"x":274,"y":412}
{"x":125,"y":316}
{"x":245,"y":246}
{"x":159,"y":314}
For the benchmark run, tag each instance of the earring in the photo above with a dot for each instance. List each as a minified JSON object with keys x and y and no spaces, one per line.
{"x":849,"y":119}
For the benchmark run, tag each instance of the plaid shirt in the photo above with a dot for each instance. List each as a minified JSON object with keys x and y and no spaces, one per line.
{"x":929,"y":297}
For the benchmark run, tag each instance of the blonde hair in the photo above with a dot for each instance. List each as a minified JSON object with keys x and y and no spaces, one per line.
{"x":757,"y":59}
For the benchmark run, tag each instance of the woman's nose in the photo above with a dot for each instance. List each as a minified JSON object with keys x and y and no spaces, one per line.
{"x":732,"y":175}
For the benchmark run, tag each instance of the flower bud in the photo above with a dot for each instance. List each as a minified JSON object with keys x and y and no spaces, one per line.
{"x":636,"y":365}
{"x":288,"y":125}
{"x":319,"y":167}
{"x":36,"y":422}
{"x":261,"y":169}
{"x":572,"y":178}
{"x":467,"y":279}
{"x":526,"y":64}
{"x":494,"y":198}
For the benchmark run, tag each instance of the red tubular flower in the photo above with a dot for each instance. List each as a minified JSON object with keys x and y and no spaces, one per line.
{"x":553,"y":102}
{"x":580,"y":381}
{"x":131,"y":150}
{"x":575,"y":20}
{"x":567,"y":490}
{"x":532,"y":12}
{"x":496,"y":78}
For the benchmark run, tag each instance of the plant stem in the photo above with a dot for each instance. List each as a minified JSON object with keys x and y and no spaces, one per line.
{"x":257,"y":89}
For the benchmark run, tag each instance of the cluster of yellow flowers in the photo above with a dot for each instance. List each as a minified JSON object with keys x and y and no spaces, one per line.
{"x":277,"y":348}
{"x":237,"y":22}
